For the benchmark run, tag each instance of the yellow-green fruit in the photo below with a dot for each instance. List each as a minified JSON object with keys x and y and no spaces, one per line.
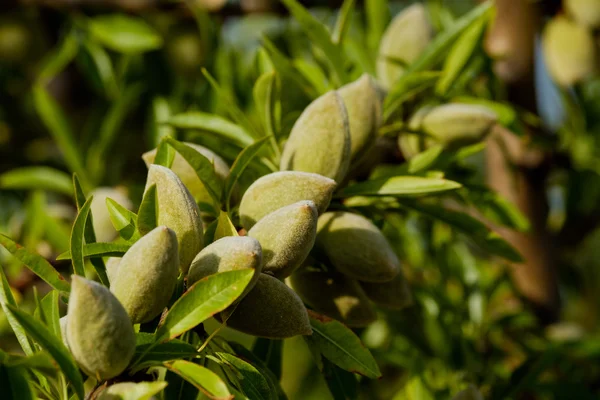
{"x":411,"y":144}
{"x":569,"y":51}
{"x":112,"y":268}
{"x":63,"y":330}
{"x":470,"y":393}
{"x":230,"y":253}
{"x":403,"y":41}
{"x":279,"y":189}
{"x":364,"y":113}
{"x":334,"y":295}
{"x":188,"y":176}
{"x":394,"y":294}
{"x":356,"y":247}
{"x":286,"y":236}
{"x":14,"y":41}
{"x":320,"y":139}
{"x":147,"y":275}
{"x":586,"y":12}
{"x":458,"y":123}
{"x":103,"y":227}
{"x":270,"y":310}
{"x":99,"y":331}
{"x":178,"y":211}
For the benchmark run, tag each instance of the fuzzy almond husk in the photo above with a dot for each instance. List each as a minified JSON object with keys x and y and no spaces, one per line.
{"x":364,"y":114}
{"x":99,"y":331}
{"x":333,"y":294}
{"x":147,"y":275}
{"x":270,"y":310}
{"x":320,"y":139}
{"x":286,"y":236}
{"x":405,"y":39}
{"x":188,"y":176}
{"x":356,"y":247}
{"x":112,"y":268}
{"x":178,"y":211}
{"x":63,"y":330}
{"x":457,"y":123}
{"x":569,"y":51}
{"x":585,"y":12}
{"x":394,"y":294}
{"x":230,"y":253}
{"x":279,"y":189}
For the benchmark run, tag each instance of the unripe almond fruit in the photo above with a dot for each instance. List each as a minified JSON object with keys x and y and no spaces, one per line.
{"x":286,"y":236}
{"x":63,"y":330}
{"x":320,"y":139}
{"x":270,"y":310}
{"x":405,"y":39}
{"x":569,"y":51}
{"x":230,"y":253}
{"x":112,"y":268}
{"x":147,"y":275}
{"x":99,"y":331}
{"x":178,"y":211}
{"x":586,"y":12}
{"x":394,"y":294}
{"x":334,"y":295}
{"x":356,"y":247}
{"x":364,"y":113}
{"x":458,"y":123}
{"x":279,"y":189}
{"x":188,"y":176}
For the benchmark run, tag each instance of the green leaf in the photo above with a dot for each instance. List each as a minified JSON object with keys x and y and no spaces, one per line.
{"x":30,"y":178}
{"x":165,"y":154}
{"x":460,"y":54}
{"x":52,"y":345}
{"x":124,"y":34}
{"x":134,"y":391}
{"x":252,"y":382}
{"x":56,"y":122}
{"x":124,"y":221}
{"x":497,"y":209}
{"x":239,"y":166}
{"x":425,"y":160}
{"x":51,"y":312}
{"x":399,"y":186}
{"x":468,"y":225}
{"x":415,"y":388}
{"x":204,"y":168}
{"x":148,"y":211}
{"x":405,"y":88}
{"x":342,"y":347}
{"x":342,"y":384}
{"x":58,"y":59}
{"x":271,"y":369}
{"x":6,"y":298}
{"x":15,"y":384}
{"x":507,"y":115}
{"x":264,"y":99}
{"x":320,"y":37}
{"x":224,"y":227}
{"x":204,"y":299}
{"x":40,"y":361}
{"x":36,"y":263}
{"x":202,"y":378}
{"x":161,"y":113}
{"x":150,"y":354}
{"x":99,"y":250}
{"x":269,"y":351}
{"x":104,"y":67}
{"x":343,"y":22}
{"x":377,"y":14}
{"x":213,"y":124}
{"x":77,"y":240}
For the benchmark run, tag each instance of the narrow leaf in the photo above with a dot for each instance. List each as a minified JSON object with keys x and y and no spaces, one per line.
{"x":99,"y":250}
{"x":124,"y":221}
{"x":211,"y":123}
{"x":52,"y":345}
{"x":224,"y":227}
{"x":125,"y":34}
{"x":36,"y":263}
{"x":6,"y":298}
{"x":44,"y":178}
{"x":51,"y":312}
{"x":399,"y":186}
{"x":252,"y":382}
{"x":343,"y":22}
{"x":201,"y":377}
{"x":58,"y":59}
{"x":77,"y":240}
{"x":14,"y":382}
{"x":148,"y":212}
{"x":205,"y":298}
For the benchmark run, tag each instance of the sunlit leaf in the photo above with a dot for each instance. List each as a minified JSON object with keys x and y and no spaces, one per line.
{"x":201,"y":377}
{"x":99,"y":250}
{"x":399,"y":186}
{"x":30,"y":178}
{"x":125,"y":34}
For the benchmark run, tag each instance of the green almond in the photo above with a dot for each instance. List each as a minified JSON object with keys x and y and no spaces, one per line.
{"x":356,"y":247}
{"x":186,"y":172}
{"x":404,"y":40}
{"x":333,"y":294}
{"x":99,"y":331}
{"x":270,"y":310}
{"x":279,"y":189}
{"x":569,"y":51}
{"x":286,"y":236}
{"x":230,"y":253}
{"x":320,"y":139}
{"x":178,"y":211}
{"x":364,"y":113}
{"x":458,"y":123}
{"x":112,"y":268}
{"x":394,"y":294}
{"x":147,"y":275}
